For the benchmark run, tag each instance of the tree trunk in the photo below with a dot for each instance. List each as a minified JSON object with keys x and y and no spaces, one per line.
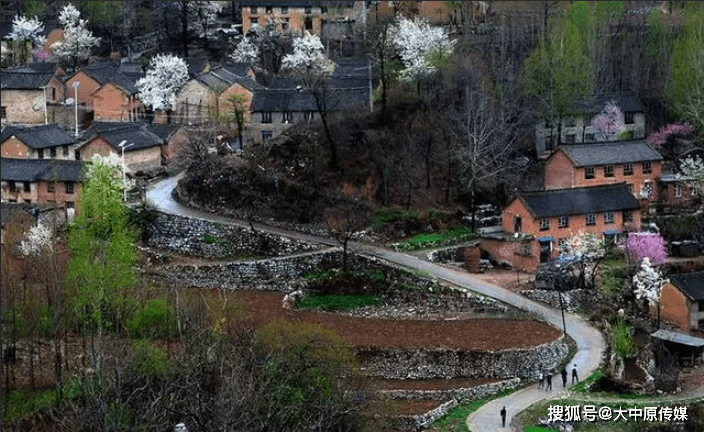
{"x":334,"y":165}
{"x":184,"y":29}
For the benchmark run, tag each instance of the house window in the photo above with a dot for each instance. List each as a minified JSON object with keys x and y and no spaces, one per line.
{"x":627,"y":216}
{"x":570,"y":122}
{"x":3,"y":112}
{"x":544,"y":224}
{"x":28,"y":201}
{"x":269,"y":9}
{"x":563,"y":221}
{"x":65,"y":151}
{"x":69,"y":187}
{"x":608,"y":171}
{"x":591,"y":219}
{"x":646,"y":190}
{"x":678,"y":190}
{"x":308,"y":10}
{"x":629,"y":117}
{"x":308,"y":115}
{"x":609,"y":217}
{"x":287,"y":117}
{"x":630,"y":188}
{"x":77,"y":155}
{"x":266,"y":117}
{"x":13,"y":186}
{"x":628,"y":169}
{"x":590,"y":137}
{"x":647,"y":168}
{"x":517,"y":224}
{"x":253,"y":23}
{"x":40,"y":153}
{"x":52,"y":152}
{"x":309,"y":23}
{"x":570,"y":139}
{"x":284,"y":10}
{"x":27,"y":187}
{"x":700,"y":324}
{"x":70,"y":205}
{"x":266,"y":134}
{"x":253,"y":9}
{"x":589,"y":173}
{"x":550,"y":143}
{"x":564,"y":244}
{"x":285,"y":23}
{"x":51,"y":187}
{"x":526,"y":248}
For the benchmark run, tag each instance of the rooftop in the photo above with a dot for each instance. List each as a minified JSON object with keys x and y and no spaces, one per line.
{"x":139,"y":135}
{"x":617,"y":152}
{"x":595,"y":199}
{"x":679,"y":338}
{"x":691,"y":284}
{"x":39,"y":137}
{"x":29,"y":170}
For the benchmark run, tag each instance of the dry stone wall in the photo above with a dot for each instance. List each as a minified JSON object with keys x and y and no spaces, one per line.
{"x":439,"y":363}
{"x":212,"y":240}
{"x":572,"y":300}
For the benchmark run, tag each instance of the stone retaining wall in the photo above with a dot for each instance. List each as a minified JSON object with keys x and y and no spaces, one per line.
{"x":572,"y":301}
{"x":213,"y":240}
{"x":439,"y":363}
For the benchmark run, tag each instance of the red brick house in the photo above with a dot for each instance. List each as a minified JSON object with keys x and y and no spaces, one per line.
{"x":295,"y":17}
{"x":682,"y":301}
{"x":26,"y":93}
{"x":37,"y":142}
{"x":40,"y":181}
{"x":537,"y":224}
{"x":635,"y":163}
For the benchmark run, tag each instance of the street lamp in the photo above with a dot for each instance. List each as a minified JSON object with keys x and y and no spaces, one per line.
{"x":75,"y":103}
{"x":124,"y":178}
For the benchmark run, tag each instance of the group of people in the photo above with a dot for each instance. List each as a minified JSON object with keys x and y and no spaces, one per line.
{"x":546,"y":378}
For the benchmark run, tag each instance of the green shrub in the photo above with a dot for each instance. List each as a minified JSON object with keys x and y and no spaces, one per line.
{"x":209,"y":239}
{"x":622,"y":343}
{"x":612,"y":279}
{"x":441,"y":238}
{"x":148,"y":360}
{"x":154,"y":320}
{"x":338,"y":302}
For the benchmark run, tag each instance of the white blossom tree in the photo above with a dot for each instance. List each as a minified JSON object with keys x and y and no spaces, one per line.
{"x":167,"y":74}
{"x":245,"y":52}
{"x":609,"y":123}
{"x":309,"y":65}
{"x":37,"y":241}
{"x":26,"y":31}
{"x":421,"y":46}
{"x":590,"y":250}
{"x":647,"y":284}
{"x":78,"y":40}
{"x":692,"y":169}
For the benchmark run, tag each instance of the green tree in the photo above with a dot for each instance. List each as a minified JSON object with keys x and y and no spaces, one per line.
{"x":686,"y":91}
{"x":103,"y":256}
{"x":559,"y":71}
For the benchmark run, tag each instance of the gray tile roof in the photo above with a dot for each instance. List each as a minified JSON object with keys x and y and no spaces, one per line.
{"x":575,"y":201}
{"x":137,"y":134}
{"x":291,"y":100}
{"x":691,"y":284}
{"x":24,"y":80}
{"x":29,"y":170}
{"x":679,"y":338}
{"x":109,"y":72}
{"x":617,"y":152}
{"x":39,"y":137}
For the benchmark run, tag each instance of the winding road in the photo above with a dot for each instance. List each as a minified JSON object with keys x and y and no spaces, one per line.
{"x":591,"y":345}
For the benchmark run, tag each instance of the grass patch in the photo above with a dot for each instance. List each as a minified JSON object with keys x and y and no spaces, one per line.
{"x":440,"y":238}
{"x":19,"y":403}
{"x":386,"y":217}
{"x":209,"y":239}
{"x":584,"y":386}
{"x":456,"y":419}
{"x":338,"y":302}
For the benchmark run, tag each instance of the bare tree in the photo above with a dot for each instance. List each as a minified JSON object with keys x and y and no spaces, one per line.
{"x":346,"y":220}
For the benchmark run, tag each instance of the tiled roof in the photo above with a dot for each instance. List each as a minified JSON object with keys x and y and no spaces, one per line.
{"x":28,"y":170}
{"x":293,"y":4}
{"x":626,"y":102}
{"x":692,"y":284}
{"x":39,"y":137}
{"x":617,"y":152}
{"x":24,"y":80}
{"x":109,"y":72}
{"x":137,"y":134}
{"x":239,"y":69}
{"x":573,"y":201}
{"x":196,"y":65}
{"x":291,"y":100}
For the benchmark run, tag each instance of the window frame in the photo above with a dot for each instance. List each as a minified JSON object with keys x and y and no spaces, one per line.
{"x":52,"y":152}
{"x":570,"y":139}
{"x":12,"y":186}
{"x":544,"y":224}
{"x":590,"y":137}
{"x":589,"y":173}
{"x":609,"y":171}
{"x":284,"y":10}
{"x":678,"y":190}
{"x":563,"y":221}
{"x":51,"y":187}
{"x":628,"y":169}
{"x":287,"y":117}
{"x":627,"y":215}
{"x":629,"y":117}
{"x":647,"y":167}
{"x":609,"y":217}
{"x":267,"y":134}
{"x":69,"y":187}
{"x":40,"y":153}
{"x":266,"y":117}
{"x":590,"y":219}
{"x":27,"y":187}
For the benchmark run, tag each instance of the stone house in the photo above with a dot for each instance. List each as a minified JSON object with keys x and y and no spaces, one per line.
{"x":26,"y":94}
{"x":635,"y":163}
{"x":295,"y":17}
{"x":206,"y":96}
{"x":37,"y":142}
{"x":537,"y":225}
{"x":145,"y":145}
{"x":32,"y":181}
{"x":682,"y":301}
{"x":578,"y":129}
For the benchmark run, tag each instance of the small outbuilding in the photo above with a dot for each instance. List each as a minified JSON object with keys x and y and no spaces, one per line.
{"x":682,"y":301}
{"x":687,"y":348}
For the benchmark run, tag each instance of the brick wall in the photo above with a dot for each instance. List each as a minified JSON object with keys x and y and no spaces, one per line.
{"x":178,"y":141}
{"x":96,"y":146}
{"x":87,"y":86}
{"x":295,"y":15}
{"x":674,"y":307}
{"x":20,"y":106}
{"x":512,"y":252}
{"x":559,"y":172}
{"x":16,"y":149}
{"x":113,"y":104}
{"x":59,"y":194}
{"x":143,"y":159}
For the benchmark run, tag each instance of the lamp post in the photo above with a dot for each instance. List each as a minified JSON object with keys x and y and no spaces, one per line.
{"x":124,"y":177}
{"x":75,"y":103}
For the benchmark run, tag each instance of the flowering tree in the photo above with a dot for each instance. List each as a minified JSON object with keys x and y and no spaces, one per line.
{"x":647,"y":284}
{"x":312,"y":69}
{"x":245,"y":52}
{"x":37,"y":241}
{"x":421,"y":47}
{"x":609,"y":123}
{"x":166,"y":75}
{"x":659,"y":137}
{"x":640,"y":246}
{"x":26,"y":30}
{"x":692,"y":169}
{"x":590,"y":250}
{"x":78,"y":40}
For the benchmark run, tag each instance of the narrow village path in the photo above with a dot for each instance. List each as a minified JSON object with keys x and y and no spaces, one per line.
{"x":590,"y":343}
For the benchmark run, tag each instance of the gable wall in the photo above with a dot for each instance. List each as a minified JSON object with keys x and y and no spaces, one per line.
{"x":87,"y":86}
{"x":111,"y":104}
{"x":559,"y":171}
{"x":19,"y":106}
{"x":96,"y":146}
{"x":15,"y":149}
{"x":674,"y":307}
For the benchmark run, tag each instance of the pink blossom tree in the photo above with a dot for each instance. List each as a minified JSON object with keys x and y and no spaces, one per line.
{"x":659,"y":137}
{"x":645,"y":245}
{"x":609,"y":123}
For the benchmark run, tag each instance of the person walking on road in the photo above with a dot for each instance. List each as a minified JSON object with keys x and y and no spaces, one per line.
{"x":503,"y":417}
{"x":548,"y":386}
{"x":564,"y":377}
{"x":574,"y":374}
{"x":542,"y":380}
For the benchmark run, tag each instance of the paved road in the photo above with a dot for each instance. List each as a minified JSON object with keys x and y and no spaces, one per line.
{"x":590,"y":343}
